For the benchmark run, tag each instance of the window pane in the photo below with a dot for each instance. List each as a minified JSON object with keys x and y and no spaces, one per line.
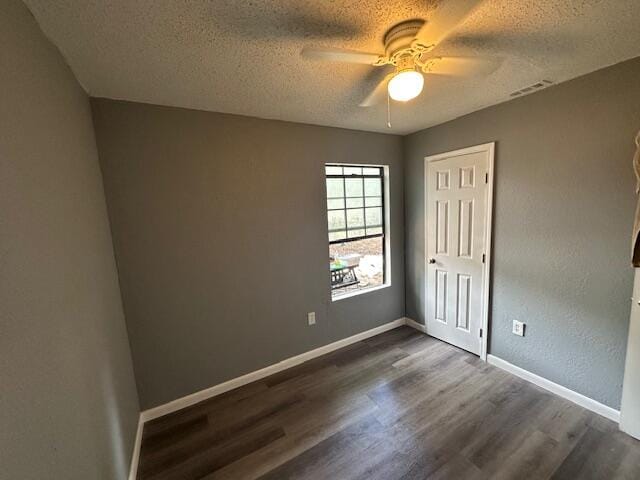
{"x":340,"y":235}
{"x":333,"y":203}
{"x":371,"y":171}
{"x":374,"y":216}
{"x":353,"y":170}
{"x":374,"y":231}
{"x":336,"y":219}
{"x":367,"y":256}
{"x":333,"y":170}
{"x":354,"y":187}
{"x":356,"y":233}
{"x":372,"y":187}
{"x":373,"y":201}
{"x":357,"y":202}
{"x":355,"y":218}
{"x":335,"y":188}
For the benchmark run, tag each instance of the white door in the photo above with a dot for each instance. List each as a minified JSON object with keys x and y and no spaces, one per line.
{"x":630,"y":408}
{"x":456,"y":231}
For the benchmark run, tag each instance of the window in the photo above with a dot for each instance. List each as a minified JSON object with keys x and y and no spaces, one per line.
{"x":357,"y":216}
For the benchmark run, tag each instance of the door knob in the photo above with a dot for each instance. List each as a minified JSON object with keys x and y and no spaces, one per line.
{"x":432,"y":260}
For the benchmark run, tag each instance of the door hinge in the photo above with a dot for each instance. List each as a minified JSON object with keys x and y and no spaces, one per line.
{"x":480,"y":333}
{"x":486,"y":178}
{"x":484,"y":258}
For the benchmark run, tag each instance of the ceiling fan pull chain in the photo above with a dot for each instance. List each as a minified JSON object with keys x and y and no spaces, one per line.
{"x":388,"y":111}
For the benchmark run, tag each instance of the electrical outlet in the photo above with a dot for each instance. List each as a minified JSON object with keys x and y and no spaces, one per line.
{"x":311,"y":318}
{"x":518,"y":328}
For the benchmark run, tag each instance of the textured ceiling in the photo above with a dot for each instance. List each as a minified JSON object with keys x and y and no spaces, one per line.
{"x":243,"y":57}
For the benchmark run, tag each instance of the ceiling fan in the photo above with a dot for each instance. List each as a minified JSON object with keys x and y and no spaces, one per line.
{"x":410,"y":47}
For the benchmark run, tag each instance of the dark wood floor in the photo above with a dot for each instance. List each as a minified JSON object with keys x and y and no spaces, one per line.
{"x":400,"y":405}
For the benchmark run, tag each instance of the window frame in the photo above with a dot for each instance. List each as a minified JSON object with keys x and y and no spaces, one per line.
{"x":345,"y":209}
{"x":385,"y":223}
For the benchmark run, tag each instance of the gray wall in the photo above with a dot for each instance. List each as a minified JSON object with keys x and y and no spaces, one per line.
{"x":68,"y":402}
{"x":219,"y":228}
{"x":562,"y":222}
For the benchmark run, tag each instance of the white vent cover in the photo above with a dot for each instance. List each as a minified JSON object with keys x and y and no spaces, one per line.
{"x":532,"y":88}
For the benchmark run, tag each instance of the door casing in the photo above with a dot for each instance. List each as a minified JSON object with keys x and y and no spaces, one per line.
{"x":489,"y":149}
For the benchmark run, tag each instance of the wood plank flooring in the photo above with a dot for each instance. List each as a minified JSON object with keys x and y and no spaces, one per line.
{"x":400,"y":405}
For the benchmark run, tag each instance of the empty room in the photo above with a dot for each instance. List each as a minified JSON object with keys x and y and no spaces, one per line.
{"x":313,"y":240}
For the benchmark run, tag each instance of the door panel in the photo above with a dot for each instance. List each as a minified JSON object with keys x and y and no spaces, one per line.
{"x":464,"y":296}
{"x":443,"y":180}
{"x":456,"y":212}
{"x":442,"y":227}
{"x":467,"y":177}
{"x":465,"y":242}
{"x":441,"y":296}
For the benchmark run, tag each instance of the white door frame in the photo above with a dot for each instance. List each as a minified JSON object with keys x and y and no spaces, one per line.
{"x":488,"y":148}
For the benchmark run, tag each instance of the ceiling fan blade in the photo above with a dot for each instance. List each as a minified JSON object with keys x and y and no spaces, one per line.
{"x":448,"y":15}
{"x":378,"y":94}
{"x":462,"y":66}
{"x":289,"y":21}
{"x":340,"y":55}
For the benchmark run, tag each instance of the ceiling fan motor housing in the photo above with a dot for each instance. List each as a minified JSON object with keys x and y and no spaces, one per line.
{"x":400,"y":42}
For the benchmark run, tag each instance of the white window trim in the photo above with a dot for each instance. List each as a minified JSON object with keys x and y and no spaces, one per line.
{"x":387,"y":236}
{"x":362,"y":291}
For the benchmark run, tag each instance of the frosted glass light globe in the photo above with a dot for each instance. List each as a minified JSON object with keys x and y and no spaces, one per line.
{"x":406,"y":85}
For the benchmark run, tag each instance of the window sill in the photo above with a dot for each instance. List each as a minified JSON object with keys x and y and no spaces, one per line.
{"x":363,"y":291}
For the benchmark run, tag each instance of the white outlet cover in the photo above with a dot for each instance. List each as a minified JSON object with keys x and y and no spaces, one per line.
{"x":518,"y":328}
{"x":311,"y":318}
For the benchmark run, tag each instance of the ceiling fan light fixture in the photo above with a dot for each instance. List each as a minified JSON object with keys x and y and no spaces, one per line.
{"x":405,"y":85}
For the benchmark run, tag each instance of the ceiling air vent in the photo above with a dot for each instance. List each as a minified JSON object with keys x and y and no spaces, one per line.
{"x":532,"y":88}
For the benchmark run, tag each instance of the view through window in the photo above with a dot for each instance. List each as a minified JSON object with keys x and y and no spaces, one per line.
{"x":356,"y":221}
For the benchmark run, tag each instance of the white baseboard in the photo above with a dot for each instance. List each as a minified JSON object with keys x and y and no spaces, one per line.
{"x":575,"y":397}
{"x":133,"y":469}
{"x":210,"y":392}
{"x":418,"y":326}
{"x":207,"y":393}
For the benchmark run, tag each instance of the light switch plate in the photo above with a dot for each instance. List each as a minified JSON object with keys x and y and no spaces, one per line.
{"x":311,"y":318}
{"x":518,"y":328}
